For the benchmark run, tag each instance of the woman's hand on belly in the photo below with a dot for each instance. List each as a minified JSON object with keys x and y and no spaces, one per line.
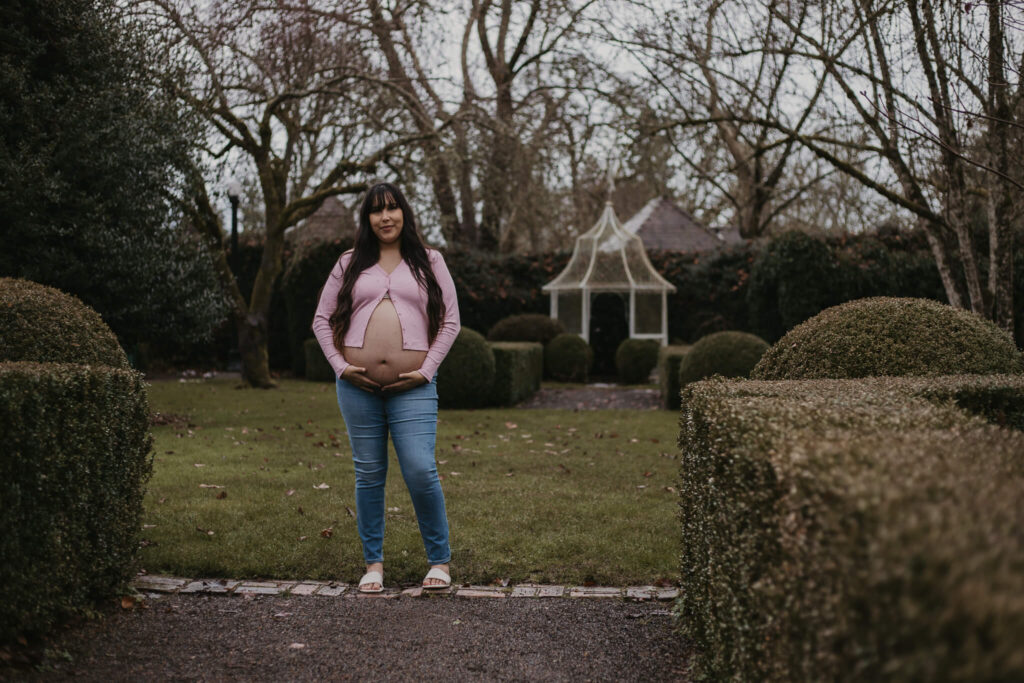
{"x":357,"y":376}
{"x":406,"y":381}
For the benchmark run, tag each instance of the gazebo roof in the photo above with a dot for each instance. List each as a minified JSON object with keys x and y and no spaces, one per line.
{"x":609,"y":258}
{"x":663,"y":225}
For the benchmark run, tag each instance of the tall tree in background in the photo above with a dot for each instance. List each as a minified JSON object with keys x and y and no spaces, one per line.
{"x":92,"y":163}
{"x":288,"y":97}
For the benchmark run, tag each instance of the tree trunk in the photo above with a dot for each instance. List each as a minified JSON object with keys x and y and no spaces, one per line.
{"x":946,"y":262}
{"x":495,"y":185}
{"x":252,"y":347}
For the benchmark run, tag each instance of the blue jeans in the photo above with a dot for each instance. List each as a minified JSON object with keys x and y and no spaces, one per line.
{"x":411,"y":418}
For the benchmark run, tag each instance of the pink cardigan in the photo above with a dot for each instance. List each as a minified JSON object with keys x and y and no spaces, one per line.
{"x":410,"y":302}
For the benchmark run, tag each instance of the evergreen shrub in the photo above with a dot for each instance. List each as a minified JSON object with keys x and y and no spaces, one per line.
{"x":466,"y":375}
{"x":42,"y":324}
{"x":75,"y":454}
{"x":880,"y":520}
{"x":526,"y":327}
{"x":518,"y":369}
{"x":885,"y":336}
{"x":635,"y":358}
{"x":568,"y":358}
{"x":316,"y":368}
{"x":729,"y":354}
{"x":669,"y":359}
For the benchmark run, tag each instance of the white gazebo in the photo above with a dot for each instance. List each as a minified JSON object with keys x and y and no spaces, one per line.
{"x":609,"y":259}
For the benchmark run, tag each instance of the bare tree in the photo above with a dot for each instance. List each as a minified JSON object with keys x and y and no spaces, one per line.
{"x":286,"y":100}
{"x":703,"y":72}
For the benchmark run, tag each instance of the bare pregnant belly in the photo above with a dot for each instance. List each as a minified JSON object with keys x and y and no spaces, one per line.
{"x":382,"y":354}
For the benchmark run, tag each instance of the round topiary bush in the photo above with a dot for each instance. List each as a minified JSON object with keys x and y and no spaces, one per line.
{"x":729,"y":354}
{"x":45,"y":325}
{"x":526,"y":327}
{"x":884,"y":336}
{"x":568,"y":358}
{"x":635,"y":358}
{"x":465,"y":377}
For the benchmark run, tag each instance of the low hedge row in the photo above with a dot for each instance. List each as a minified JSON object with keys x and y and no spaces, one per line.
{"x":518,"y":369}
{"x":75,"y":453}
{"x":864,"y":529}
{"x":669,"y":359}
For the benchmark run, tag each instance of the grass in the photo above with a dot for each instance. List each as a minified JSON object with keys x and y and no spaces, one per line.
{"x":532,"y":495}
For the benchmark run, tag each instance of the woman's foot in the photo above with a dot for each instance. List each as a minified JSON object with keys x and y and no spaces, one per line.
{"x":432,"y":582}
{"x":374,"y":587}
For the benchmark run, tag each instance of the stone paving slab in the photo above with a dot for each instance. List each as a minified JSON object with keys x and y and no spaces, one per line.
{"x":173,"y":584}
{"x":159,"y":584}
{"x":264,"y":587}
{"x":211,"y":586}
{"x":480,"y":592}
{"x":595,"y":592}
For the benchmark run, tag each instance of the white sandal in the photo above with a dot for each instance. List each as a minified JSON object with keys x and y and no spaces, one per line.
{"x":371,"y":577}
{"x":437,"y":573}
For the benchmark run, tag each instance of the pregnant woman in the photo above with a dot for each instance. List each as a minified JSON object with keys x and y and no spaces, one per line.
{"x":386,"y":319}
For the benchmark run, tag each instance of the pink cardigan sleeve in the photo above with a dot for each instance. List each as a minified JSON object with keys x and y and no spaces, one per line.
{"x":321,"y":319}
{"x":450,"y":326}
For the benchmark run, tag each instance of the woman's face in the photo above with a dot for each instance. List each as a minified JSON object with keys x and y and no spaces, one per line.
{"x":386,"y":221}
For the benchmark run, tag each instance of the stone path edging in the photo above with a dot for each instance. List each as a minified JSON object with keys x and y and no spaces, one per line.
{"x":173,"y":584}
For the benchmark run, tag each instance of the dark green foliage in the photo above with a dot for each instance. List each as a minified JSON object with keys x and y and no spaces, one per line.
{"x":729,"y":354}
{"x":466,"y":375}
{"x":526,"y":327}
{"x":635,"y":358}
{"x":316,"y":367}
{"x":39,"y":323}
{"x":92,"y":154}
{"x":518,"y":368}
{"x":74,"y":458}
{"x":568,"y":358}
{"x":792,"y":280}
{"x":303,"y":279}
{"x":669,"y":359}
{"x":491,"y":287}
{"x":864,"y":526}
{"x":884,"y":336}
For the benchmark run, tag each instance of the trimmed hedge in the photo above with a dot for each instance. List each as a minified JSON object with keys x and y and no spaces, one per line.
{"x":316,"y":368}
{"x":466,"y":375}
{"x":75,"y":454}
{"x":568,"y":358}
{"x":851,"y":528}
{"x":518,"y":369}
{"x":45,"y":325}
{"x":635,"y":358}
{"x":729,"y":354}
{"x":526,"y":327}
{"x":669,"y":359}
{"x":885,"y":336}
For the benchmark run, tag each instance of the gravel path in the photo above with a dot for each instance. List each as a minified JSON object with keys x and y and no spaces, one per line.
{"x":594,"y":398}
{"x":305,"y":638}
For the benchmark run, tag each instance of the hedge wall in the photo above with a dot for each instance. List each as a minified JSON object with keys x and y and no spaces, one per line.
{"x":75,"y":453}
{"x":864,"y":529}
{"x":518,"y":370}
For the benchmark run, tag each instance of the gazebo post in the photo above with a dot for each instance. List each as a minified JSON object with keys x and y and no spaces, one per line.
{"x":586,"y":315}
{"x":664,"y":318}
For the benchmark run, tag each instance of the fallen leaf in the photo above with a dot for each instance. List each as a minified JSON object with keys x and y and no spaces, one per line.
{"x":442,"y":462}
{"x":299,"y":510}
{"x":208,"y":532}
{"x":127,"y":602}
{"x":303,"y":538}
{"x":457,"y":622}
{"x":321,"y":485}
{"x":198,"y":464}
{"x":327,"y":533}
{"x":648,"y":474}
{"x":349,"y":511}
{"x":642,"y":486}
{"x":283,"y":614}
{"x":509,"y":474}
{"x":670,"y":489}
{"x":456,"y":447}
{"x":148,"y":526}
{"x":210,"y":486}
{"x":162,"y":499}
{"x":511,"y":425}
{"x":296,"y":646}
{"x":394,"y":509}
{"x":222,"y":495}
{"x":289,"y":492}
{"x":455,"y":474}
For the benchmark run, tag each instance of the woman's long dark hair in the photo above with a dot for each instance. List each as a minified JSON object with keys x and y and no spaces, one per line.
{"x":367,"y":252}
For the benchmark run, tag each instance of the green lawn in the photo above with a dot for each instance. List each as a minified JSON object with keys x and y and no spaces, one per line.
{"x":533,"y":495}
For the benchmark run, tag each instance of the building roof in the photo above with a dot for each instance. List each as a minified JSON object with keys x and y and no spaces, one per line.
{"x":332,"y":221}
{"x":663,"y":225}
